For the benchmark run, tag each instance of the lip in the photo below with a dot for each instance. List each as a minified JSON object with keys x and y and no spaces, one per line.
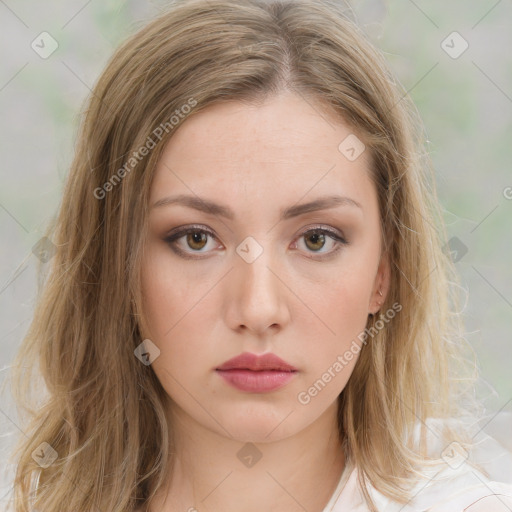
{"x":248,"y":361}
{"x":257,"y":374}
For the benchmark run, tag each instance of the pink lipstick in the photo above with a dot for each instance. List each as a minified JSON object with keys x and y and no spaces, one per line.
{"x":256,"y":374}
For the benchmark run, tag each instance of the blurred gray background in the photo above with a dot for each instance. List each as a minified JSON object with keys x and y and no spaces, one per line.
{"x":461,"y":83}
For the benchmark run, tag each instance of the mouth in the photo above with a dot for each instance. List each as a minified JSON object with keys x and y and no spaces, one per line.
{"x":256,"y":362}
{"x":256,"y":373}
{"x":252,"y":370}
{"x":257,"y":381}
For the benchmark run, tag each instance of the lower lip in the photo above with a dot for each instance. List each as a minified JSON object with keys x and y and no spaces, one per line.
{"x":256,"y":381}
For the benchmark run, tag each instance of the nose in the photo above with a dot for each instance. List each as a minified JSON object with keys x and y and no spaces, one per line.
{"x":257,"y":295}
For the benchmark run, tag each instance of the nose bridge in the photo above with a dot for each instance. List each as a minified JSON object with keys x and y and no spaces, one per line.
{"x":254,"y":264}
{"x":258,"y":297}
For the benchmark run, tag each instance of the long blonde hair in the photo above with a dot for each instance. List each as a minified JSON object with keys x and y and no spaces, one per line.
{"x":104,"y":412}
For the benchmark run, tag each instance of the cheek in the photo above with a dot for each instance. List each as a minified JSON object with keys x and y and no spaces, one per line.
{"x":164,"y":296}
{"x":340,"y":298}
{"x":343,"y":314}
{"x":172,"y":312}
{"x":334,"y":334}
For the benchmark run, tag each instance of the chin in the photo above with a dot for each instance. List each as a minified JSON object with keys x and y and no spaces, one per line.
{"x":263,"y":426}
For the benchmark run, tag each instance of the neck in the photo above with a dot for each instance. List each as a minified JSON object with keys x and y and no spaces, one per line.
{"x":214,"y":472}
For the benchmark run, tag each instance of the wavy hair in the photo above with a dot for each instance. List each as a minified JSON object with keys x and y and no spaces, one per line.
{"x":103,"y":412}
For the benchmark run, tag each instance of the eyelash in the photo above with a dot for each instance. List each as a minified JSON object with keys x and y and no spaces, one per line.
{"x":172,"y":238}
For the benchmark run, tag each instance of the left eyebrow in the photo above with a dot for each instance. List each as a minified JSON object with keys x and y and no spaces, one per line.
{"x":213,"y":208}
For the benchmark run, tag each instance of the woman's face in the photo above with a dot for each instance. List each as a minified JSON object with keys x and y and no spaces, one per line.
{"x":257,"y":274}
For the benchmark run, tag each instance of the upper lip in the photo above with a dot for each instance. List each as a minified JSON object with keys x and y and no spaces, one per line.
{"x":255,"y":362}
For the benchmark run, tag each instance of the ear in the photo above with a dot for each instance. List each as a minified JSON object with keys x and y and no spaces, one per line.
{"x":381,"y":285}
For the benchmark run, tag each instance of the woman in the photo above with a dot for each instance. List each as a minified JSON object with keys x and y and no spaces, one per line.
{"x":249,"y":308}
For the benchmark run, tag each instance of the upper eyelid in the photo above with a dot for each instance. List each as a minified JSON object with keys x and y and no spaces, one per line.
{"x":314,"y":227}
{"x":176,"y":234}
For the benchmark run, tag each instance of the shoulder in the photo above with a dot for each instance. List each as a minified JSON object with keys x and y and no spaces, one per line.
{"x":471,"y":492}
{"x":479,"y":480}
{"x":461,"y":488}
{"x":488,"y":497}
{"x":446,"y":490}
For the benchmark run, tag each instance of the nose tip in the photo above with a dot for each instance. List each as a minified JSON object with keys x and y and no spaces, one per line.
{"x":258,"y":302}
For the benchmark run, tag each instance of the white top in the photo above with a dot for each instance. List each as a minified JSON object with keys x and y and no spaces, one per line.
{"x":453,"y":486}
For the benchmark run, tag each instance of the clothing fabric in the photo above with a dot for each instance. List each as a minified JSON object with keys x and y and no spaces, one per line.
{"x":453,"y":486}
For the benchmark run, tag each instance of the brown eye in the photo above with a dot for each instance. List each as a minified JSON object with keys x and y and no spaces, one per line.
{"x":190,"y":240}
{"x":197,"y":240}
{"x":317,"y":240}
{"x":322,"y":242}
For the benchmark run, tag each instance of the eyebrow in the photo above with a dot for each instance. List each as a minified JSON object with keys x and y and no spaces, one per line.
{"x":213,"y":208}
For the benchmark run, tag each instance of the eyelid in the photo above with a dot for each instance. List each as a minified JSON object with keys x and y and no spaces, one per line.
{"x":181,"y":231}
{"x":336,"y":233}
{"x":333,"y":233}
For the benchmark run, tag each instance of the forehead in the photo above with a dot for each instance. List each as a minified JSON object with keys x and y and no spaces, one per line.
{"x":287,"y":125}
{"x":287,"y":145}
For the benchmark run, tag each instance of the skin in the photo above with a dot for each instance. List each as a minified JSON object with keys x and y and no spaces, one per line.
{"x":201,"y":312}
